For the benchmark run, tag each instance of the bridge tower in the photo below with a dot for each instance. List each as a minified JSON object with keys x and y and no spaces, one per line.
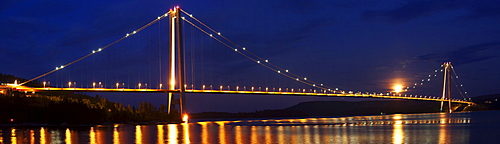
{"x":176,"y":68}
{"x":446,"y":86}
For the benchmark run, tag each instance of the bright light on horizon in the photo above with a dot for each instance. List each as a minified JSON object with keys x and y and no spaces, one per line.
{"x":398,"y":88}
{"x":185,"y":118}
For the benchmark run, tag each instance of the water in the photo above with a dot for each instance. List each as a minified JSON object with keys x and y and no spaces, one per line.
{"x":473,"y":127}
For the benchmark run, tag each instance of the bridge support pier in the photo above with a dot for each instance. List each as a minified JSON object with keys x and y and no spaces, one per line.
{"x":446,"y":86}
{"x":176,"y":69}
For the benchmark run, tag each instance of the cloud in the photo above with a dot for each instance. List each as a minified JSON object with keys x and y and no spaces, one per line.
{"x":474,"y":53}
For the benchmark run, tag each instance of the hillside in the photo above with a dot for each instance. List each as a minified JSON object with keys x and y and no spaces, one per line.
{"x":486,"y":102}
{"x":55,"y":108}
{"x":337,"y":108}
{"x":346,"y":108}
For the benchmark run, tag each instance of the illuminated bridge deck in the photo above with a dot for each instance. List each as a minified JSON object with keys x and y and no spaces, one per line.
{"x":385,"y":96}
{"x":28,"y":89}
{"x":427,"y":98}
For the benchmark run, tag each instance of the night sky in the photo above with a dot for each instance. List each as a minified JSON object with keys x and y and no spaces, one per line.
{"x":365,"y":46}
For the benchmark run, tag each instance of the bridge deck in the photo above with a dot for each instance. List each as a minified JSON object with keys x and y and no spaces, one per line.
{"x":95,"y":90}
{"x":328,"y":95}
{"x":22,"y":88}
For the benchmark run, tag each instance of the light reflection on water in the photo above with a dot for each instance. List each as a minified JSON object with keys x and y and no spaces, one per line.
{"x":397,"y":128}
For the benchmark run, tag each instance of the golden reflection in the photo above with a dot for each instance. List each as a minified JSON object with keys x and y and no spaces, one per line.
{"x":316,"y":134}
{"x":268,"y":134}
{"x":116,"y":135}
{"x":185,"y":127}
{"x":222,"y":133}
{"x":239,"y":139}
{"x":100,"y":135}
{"x":92,"y":134}
{"x":300,"y":135}
{"x":172,"y":133}
{"x":307,"y":135}
{"x":253,"y":134}
{"x":442,"y":118}
{"x":345,"y":137}
{"x":161,"y":133}
{"x":372,"y":135}
{"x":397,"y":117}
{"x":138,"y":134}
{"x":42,"y":136}
{"x":281,"y":134}
{"x":68,"y":136}
{"x":294,"y":130}
{"x":443,"y":132}
{"x":442,"y":121}
{"x":13,"y":138}
{"x":32,"y":137}
{"x":204,"y":133}
{"x":303,"y":120}
{"x":398,"y":133}
{"x":397,"y":128}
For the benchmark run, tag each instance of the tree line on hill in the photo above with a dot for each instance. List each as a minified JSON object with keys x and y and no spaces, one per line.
{"x":73,"y":108}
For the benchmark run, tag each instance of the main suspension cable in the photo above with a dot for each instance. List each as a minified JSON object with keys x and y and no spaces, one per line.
{"x":460,"y":88}
{"x":256,"y":58}
{"x":100,"y":49}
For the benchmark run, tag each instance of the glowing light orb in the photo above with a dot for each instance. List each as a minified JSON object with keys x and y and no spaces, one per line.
{"x":185,"y":118}
{"x":398,"y":88}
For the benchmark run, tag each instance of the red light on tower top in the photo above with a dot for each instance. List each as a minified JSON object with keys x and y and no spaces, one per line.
{"x":175,"y":8}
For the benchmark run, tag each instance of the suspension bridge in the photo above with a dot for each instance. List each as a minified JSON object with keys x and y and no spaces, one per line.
{"x":177,"y":72}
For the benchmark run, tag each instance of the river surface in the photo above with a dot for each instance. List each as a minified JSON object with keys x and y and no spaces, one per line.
{"x":468,"y":127}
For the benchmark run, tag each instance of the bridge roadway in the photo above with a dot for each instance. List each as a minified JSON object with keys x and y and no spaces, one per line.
{"x":394,"y":96}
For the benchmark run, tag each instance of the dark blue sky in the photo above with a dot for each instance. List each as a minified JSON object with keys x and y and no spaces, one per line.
{"x":353,"y":45}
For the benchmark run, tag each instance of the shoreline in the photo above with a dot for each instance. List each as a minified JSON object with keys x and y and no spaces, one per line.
{"x":204,"y":120}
